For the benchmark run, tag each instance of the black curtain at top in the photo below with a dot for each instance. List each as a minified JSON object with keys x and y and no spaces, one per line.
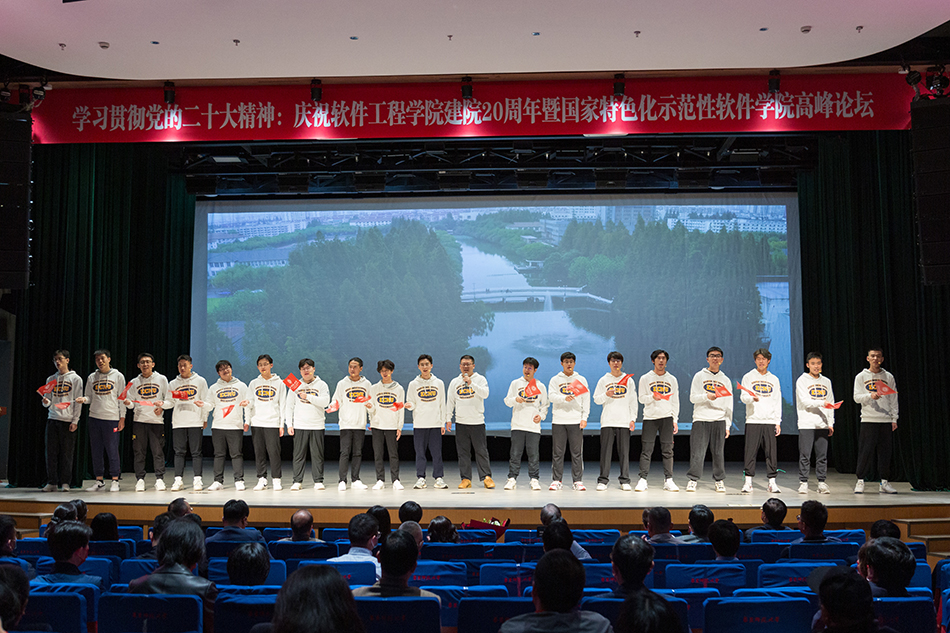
{"x":861,"y":287}
{"x":112,"y":252}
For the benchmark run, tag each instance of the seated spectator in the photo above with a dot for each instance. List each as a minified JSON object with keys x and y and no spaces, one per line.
{"x":441,"y":530}
{"x":301,"y":527}
{"x":557,"y":535}
{"x":315,"y":599}
{"x":883,"y":527}
{"x":179,"y":507}
{"x":63,"y":512}
{"x":888,"y":564}
{"x":105,"y":527}
{"x":363,"y":531}
{"x":659,"y":524}
{"x":14,"y":594}
{"x":846,"y":604}
{"x":8,"y":544}
{"x":700,"y":518}
{"x":631,"y":559}
{"x":69,"y":545}
{"x":234,"y":522}
{"x":397,"y":557}
{"x":557,"y":588}
{"x":647,"y":612}
{"x":548,"y":514}
{"x":773,"y":515}
{"x":725,"y":537}
{"x":155,"y":534}
{"x":812,"y":519}
{"x":180,"y":549}
{"x":414,"y":530}
{"x":382,"y":517}
{"x":81,"y":509}
{"x":410,"y":511}
{"x":249,"y":565}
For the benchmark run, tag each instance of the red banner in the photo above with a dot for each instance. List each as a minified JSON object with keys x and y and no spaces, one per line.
{"x":292,"y":381}
{"x":679,"y":105}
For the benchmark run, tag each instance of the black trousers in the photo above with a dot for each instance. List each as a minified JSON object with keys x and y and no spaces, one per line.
{"x":469,"y":437}
{"x":351,"y":453}
{"x":385,"y":439}
{"x":181,"y":440}
{"x":431,"y":438}
{"x":608,"y":436}
{"x":266,"y":448}
{"x":104,"y":436}
{"x":757,"y":435}
{"x":312,"y":440}
{"x":808,"y":439}
{"x":145,"y":436}
{"x":60,"y":450}
{"x":663,"y":426}
{"x":875,"y":438}
{"x":227,"y":441}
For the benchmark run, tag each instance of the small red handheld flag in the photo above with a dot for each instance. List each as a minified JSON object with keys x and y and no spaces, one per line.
{"x":531,"y":389}
{"x":292,"y":381}
{"x":836,"y":405}
{"x":125,"y":391}
{"x":63,"y":405}
{"x":361,"y":399}
{"x":623,"y":381}
{"x":47,"y":388}
{"x":577,"y":387}
{"x":722,"y":391}
{"x":334,"y":406}
{"x":398,"y":405}
{"x":148,"y":403}
{"x":179,"y":395}
{"x":228,"y":410}
{"x":663,"y":396}
{"x":748,"y":391}
{"x":883,"y":388}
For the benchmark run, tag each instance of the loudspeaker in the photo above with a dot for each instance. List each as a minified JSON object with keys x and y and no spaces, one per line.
{"x":930,"y":136}
{"x":15,"y":153}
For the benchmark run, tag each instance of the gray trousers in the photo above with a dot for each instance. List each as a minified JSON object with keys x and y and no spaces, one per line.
{"x":60,"y":450}
{"x":312,"y":440}
{"x":522,"y":441}
{"x":663,"y":426}
{"x":564,"y":436}
{"x":431,"y":438}
{"x":757,"y":435}
{"x":266,"y":448}
{"x":609,"y":435}
{"x":227,"y":441}
{"x":146,"y":435}
{"x":874,"y":439}
{"x":351,"y":453}
{"x":385,"y":439}
{"x":181,"y":439}
{"x":469,"y":437}
{"x":711,"y":435}
{"x":808,"y":438}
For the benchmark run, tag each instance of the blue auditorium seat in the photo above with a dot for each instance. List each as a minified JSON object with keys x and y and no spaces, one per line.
{"x":397,"y":615}
{"x":906,"y":615}
{"x":134,"y":568}
{"x":90,"y":594}
{"x":335,"y":534}
{"x":779,"y":592}
{"x":237,"y":613}
{"x":310,"y":550}
{"x":60,"y":612}
{"x":221,"y":549}
{"x":474,"y":568}
{"x":451,"y":595}
{"x":823,"y":551}
{"x":751,"y":568}
{"x":789,"y":574}
{"x":506,"y":551}
{"x":32,"y":547}
{"x":513,"y":576}
{"x":353,"y":572}
{"x":453,"y":551}
{"x":758,"y":615}
{"x":600,"y":575}
{"x":218,"y":571}
{"x":122,"y":549}
{"x":486,"y":615}
{"x":522,"y":536}
{"x":437,"y":572}
{"x":695,"y":599}
{"x":766,"y":552}
{"x":609,"y":607}
{"x":726,"y":577}
{"x":155,"y":613}
{"x":275,"y":533}
{"x":473,"y":535}
{"x":683,"y":553}
{"x":596,"y":537}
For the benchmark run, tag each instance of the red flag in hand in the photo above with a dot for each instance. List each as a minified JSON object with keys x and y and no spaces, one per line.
{"x":836,"y":405}
{"x":663,"y":396}
{"x":125,"y":391}
{"x":292,"y":381}
{"x":623,"y":381}
{"x":531,"y":389}
{"x":748,"y":391}
{"x":334,"y":406}
{"x":398,"y":405}
{"x":47,"y":388}
{"x":63,"y":405}
{"x":883,"y":389}
{"x":177,"y":394}
{"x":361,"y":399}
{"x":722,"y":391}
{"x":228,"y":410}
{"x":577,"y":387}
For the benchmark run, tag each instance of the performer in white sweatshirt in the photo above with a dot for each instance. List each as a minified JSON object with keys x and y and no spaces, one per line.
{"x":615,"y":393}
{"x":386,"y":421}
{"x":186,"y":397}
{"x":106,"y":418}
{"x":568,"y":420}
{"x":763,"y":418}
{"x":146,"y":397}
{"x":425,"y":397}
{"x":352,"y":395}
{"x":878,"y":420}
{"x":265,"y":420}
{"x":659,"y":393}
{"x":527,"y":412}
{"x":62,"y":422}
{"x":466,"y":399}
{"x":228,"y":398}
{"x":305,"y":414}
{"x":712,"y":418}
{"x":816,"y":422}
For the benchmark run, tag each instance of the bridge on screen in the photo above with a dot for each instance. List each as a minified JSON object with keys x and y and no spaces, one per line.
{"x":533,"y":294}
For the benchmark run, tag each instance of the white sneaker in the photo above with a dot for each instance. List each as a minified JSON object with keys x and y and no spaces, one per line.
{"x":97,"y":486}
{"x":440,"y":483}
{"x":803,"y":488}
{"x":379,"y":485}
{"x":691,"y":486}
{"x":276,"y":484}
{"x":319,"y":486}
{"x":49,"y":488}
{"x":626,"y":487}
{"x":140,"y":485}
{"x":115,"y":486}
{"x":555,"y":485}
{"x":579,"y":485}
{"x":720,"y":486}
{"x":261,"y":483}
{"x":159,"y":485}
{"x":295,"y":487}
{"x":601,"y":486}
{"x":397,"y":485}
{"x":887,"y":488}
{"x":239,"y":486}
{"x":773,"y":487}
{"x":65,"y":487}
{"x":510,"y":484}
{"x":747,"y":486}
{"x":670,"y":486}
{"x":535,"y":484}
{"x":859,"y":487}
{"x":823,"y":488}
{"x":342,"y":486}
{"x":215,"y":486}
{"x":177,"y":484}
{"x":420,"y":483}
{"x":358,"y":485}
{"x":197,"y":484}
{"x":642,"y":485}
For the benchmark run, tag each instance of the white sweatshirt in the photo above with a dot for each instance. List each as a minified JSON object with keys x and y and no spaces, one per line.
{"x":884,"y":409}
{"x":704,"y":409}
{"x":427,"y":398}
{"x":811,"y":394}
{"x":223,"y":395}
{"x":620,"y":409}
{"x":666,"y":384}
{"x":152,"y":388}
{"x":768,"y":410}
{"x":305,"y":408}
{"x":68,"y":388}
{"x":383,"y":415}
{"x":352,"y":414}
{"x":467,"y":402}
{"x":562,"y":411}
{"x":267,"y":402}
{"x":522,"y":413}
{"x":186,"y":414}
{"x":103,"y":392}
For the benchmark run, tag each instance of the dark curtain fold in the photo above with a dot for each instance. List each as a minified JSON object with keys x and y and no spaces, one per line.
{"x":861,"y":287}
{"x":112,"y":252}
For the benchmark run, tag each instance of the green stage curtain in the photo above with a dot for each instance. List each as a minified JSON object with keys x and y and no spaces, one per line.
{"x":861,"y":287}
{"x":113,"y":237}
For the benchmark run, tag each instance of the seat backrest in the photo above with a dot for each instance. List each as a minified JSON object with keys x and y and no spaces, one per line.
{"x":143,"y":546}
{"x":823,"y":551}
{"x":353,"y":572}
{"x":906,"y":615}
{"x":513,"y":576}
{"x":779,"y":592}
{"x":596,"y":537}
{"x":522,"y":536}
{"x":453,"y":551}
{"x":19,"y":562}
{"x":218,"y":572}
{"x":134,"y":568}
{"x":155,"y":613}
{"x":609,"y":607}
{"x":600,"y":575}
{"x":221,"y":549}
{"x":759,"y":615}
{"x":922,"y":575}
{"x":532,"y":552}
{"x":89,"y":592}
{"x":106,"y":567}
{"x":472,"y":535}
{"x":473,"y":567}
{"x":506,"y":551}
{"x":32,"y":547}
{"x":684,"y":553}
{"x":245,"y":590}
{"x":437,"y":572}
{"x":335,"y":534}
{"x":122,"y":549}
{"x":599,"y":551}
{"x":486,"y":615}
{"x":451,"y":595}
{"x":848,"y":536}
{"x":397,"y":615}
{"x":788,"y":574}
{"x":694,"y":600}
{"x":310,"y":550}
{"x":751,"y":569}
{"x":775,"y":536}
{"x":131,"y":532}
{"x":725,"y":577}
{"x":765,"y":552}
{"x":918,"y":549}
{"x":237,"y":613}
{"x":62,"y":612}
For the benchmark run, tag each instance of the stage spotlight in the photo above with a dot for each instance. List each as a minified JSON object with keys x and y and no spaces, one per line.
{"x":619,"y":86}
{"x":775,"y":81}
{"x":316,"y":90}
{"x":467,"y":88}
{"x":937,"y":81}
{"x":39,"y":93}
{"x":169,"y":92}
{"x":5,"y":93}
{"x":913,"y":78}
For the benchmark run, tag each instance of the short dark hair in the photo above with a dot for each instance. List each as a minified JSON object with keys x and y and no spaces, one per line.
{"x":812,"y":355}
{"x":144,"y":355}
{"x":103,"y":352}
{"x":442,"y":530}
{"x":306,"y":361}
{"x":725,"y":537}
{"x":182,"y":543}
{"x":762,"y":351}
{"x":382,"y":517}
{"x":61,"y":352}
{"x":265,"y":357}
{"x":385,"y":364}
{"x":14,"y":592}
{"x":362,"y":528}
{"x":714,"y":349}
{"x":656,"y":353}
{"x":847,"y":601}
{"x":68,"y":537}
{"x":161,"y":522}
{"x":647,"y":612}
{"x":81,"y":509}
{"x":185,"y":357}
{"x":221,"y":364}
{"x":633,"y":557}
{"x":398,"y":554}
{"x":614,"y":355}
{"x":568,"y":356}
{"x":235,"y":510}
{"x":550,"y":512}
{"x":301,"y":527}
{"x":700,"y":518}
{"x":467,"y":357}
{"x":179,"y":507}
{"x":531,"y":360}
{"x":815,"y":515}
{"x":105,"y":527}
{"x":883,"y":527}
{"x":557,"y":535}
{"x":248,"y":564}
{"x":359,"y":361}
{"x":558,"y":581}
{"x":775,"y":511}
{"x":893,"y":562}
{"x":7,"y":528}
{"x":316,"y":599}
{"x":660,"y":519}
{"x":410,"y":511}
{"x":423,"y":357}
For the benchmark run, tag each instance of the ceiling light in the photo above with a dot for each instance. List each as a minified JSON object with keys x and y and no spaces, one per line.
{"x":169,"y":91}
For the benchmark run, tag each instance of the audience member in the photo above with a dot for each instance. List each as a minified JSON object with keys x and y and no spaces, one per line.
{"x":659,"y":524}
{"x":773,"y":516}
{"x":315,"y":599}
{"x":700,"y":518}
{"x":725,"y":537}
{"x":301,"y":527}
{"x":8,"y":545}
{"x":557,"y":535}
{"x":69,"y":546}
{"x":14,"y":595}
{"x":410,"y":511}
{"x":155,"y":534}
{"x":414,"y":530}
{"x":557,"y":589}
{"x":179,"y":507}
{"x":363,"y":531}
{"x":647,"y":612}
{"x":234,"y":524}
{"x":847,"y":605}
{"x":631,"y":559}
{"x":105,"y":527}
{"x":81,"y":509}
{"x":441,"y":530}
{"x":63,"y":512}
{"x":550,"y":512}
{"x":382,"y":517}
{"x":888,"y":564}
{"x":812,"y":519}
{"x":397,"y":557}
{"x":249,"y":565}
{"x":180,"y":549}
{"x":883,"y":527}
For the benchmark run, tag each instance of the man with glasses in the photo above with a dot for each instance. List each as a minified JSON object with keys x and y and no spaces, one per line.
{"x":467,"y":393}
{"x":712,"y":417}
